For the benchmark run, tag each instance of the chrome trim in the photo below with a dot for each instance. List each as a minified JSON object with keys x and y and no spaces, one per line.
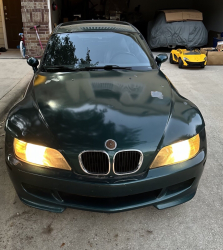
{"x":139,"y":164}
{"x":110,"y":148}
{"x":82,"y":165}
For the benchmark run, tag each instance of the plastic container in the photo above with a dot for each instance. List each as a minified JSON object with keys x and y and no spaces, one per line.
{"x":215,"y":41}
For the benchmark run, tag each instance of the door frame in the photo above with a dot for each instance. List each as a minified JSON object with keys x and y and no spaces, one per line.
{"x":3,"y":24}
{"x":50,"y":16}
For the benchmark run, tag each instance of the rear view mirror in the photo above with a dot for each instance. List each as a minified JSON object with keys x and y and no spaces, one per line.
{"x":161,"y":58}
{"x":33,"y":62}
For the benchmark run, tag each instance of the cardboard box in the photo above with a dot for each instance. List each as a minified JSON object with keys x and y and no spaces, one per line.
{"x":183,"y":15}
{"x":213,"y":57}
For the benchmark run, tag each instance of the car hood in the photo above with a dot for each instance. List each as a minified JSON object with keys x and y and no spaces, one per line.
{"x":195,"y":57}
{"x":84,"y":109}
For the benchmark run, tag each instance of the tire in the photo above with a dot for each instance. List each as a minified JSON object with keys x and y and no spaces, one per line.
{"x":171,"y":59}
{"x":22,"y":49}
{"x":180,"y":63}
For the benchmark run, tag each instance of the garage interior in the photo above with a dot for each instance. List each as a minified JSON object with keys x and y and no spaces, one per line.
{"x":137,"y":12}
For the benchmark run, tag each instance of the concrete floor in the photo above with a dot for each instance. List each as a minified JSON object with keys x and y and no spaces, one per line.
{"x":11,"y":54}
{"x":197,"y":224}
{"x":11,"y":72}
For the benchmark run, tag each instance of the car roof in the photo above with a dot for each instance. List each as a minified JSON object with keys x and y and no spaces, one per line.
{"x":95,"y":25}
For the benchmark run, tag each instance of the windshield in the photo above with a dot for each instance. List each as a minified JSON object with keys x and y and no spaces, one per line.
{"x":98,"y":49}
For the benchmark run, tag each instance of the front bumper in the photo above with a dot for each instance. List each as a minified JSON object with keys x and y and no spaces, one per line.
{"x":195,"y":64}
{"x":162,"y":187}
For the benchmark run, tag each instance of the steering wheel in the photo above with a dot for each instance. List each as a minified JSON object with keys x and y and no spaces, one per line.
{"x":123,"y":53}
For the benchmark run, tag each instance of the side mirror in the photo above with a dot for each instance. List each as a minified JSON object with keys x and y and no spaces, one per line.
{"x":33,"y":62}
{"x":161,"y":58}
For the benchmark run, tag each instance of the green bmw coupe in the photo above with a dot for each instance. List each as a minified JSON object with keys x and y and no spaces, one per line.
{"x":101,"y":128}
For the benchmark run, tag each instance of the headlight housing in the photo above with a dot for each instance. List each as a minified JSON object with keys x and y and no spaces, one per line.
{"x":177,"y":152}
{"x":39,"y":155}
{"x":205,"y":58}
{"x":186,"y":59}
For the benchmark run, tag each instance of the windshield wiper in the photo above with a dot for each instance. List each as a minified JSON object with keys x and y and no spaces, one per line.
{"x":108,"y":67}
{"x":67,"y":68}
{"x":60,"y":67}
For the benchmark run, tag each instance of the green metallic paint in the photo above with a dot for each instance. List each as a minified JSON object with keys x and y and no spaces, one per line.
{"x":76,"y":111}
{"x":155,"y":179}
{"x":33,"y":62}
{"x":161,"y":58}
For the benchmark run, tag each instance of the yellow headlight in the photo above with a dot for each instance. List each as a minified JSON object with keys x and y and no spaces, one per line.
{"x":177,"y":152}
{"x":39,"y":155}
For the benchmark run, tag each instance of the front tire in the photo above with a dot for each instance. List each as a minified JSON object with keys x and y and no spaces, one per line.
{"x":181,"y":63}
{"x":171,"y":59}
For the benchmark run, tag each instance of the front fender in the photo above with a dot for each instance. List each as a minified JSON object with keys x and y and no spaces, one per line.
{"x":25,"y":122}
{"x":185,"y":121}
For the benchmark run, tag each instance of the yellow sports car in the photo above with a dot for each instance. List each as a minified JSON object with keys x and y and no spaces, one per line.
{"x":188,"y":58}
